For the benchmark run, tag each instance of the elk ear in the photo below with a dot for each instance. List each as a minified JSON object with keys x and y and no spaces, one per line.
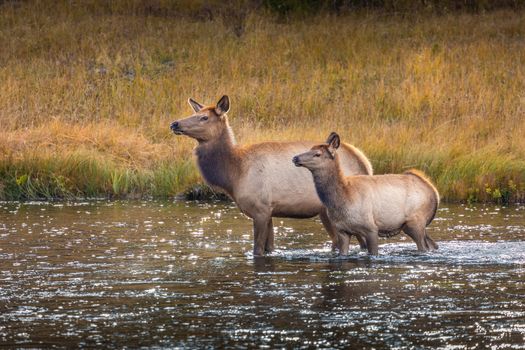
{"x":195,"y":105}
{"x":331,"y":137}
{"x":223,"y":106}
{"x":333,"y":142}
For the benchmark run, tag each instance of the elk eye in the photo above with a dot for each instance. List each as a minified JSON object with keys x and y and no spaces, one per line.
{"x":317,"y":155}
{"x":204,"y":117}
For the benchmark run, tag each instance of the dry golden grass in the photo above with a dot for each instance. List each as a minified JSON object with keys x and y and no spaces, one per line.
{"x":445,"y":94}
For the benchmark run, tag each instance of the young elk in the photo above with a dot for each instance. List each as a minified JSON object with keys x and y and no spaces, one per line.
{"x":371,"y":206}
{"x":260,"y":178}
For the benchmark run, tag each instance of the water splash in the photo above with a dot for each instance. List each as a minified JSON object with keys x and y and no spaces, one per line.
{"x":451,"y":252}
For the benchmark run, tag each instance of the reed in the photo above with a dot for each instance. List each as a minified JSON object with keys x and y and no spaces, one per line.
{"x":87,"y":93}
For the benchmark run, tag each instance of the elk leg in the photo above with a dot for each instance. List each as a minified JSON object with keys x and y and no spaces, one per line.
{"x":431,"y":245}
{"x":371,"y":243}
{"x":269,"y":245}
{"x":362,"y":242}
{"x":329,"y":228}
{"x":417,"y":234}
{"x":344,"y":242}
{"x":260,"y":225}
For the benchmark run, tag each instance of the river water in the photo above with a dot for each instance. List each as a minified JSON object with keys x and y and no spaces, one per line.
{"x":181,"y":274}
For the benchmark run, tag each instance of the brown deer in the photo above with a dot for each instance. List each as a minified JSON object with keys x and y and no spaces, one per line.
{"x":259,"y":178}
{"x":371,"y":206}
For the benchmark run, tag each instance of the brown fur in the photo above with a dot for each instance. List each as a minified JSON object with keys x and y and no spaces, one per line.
{"x":369,"y":206}
{"x":364,"y":163}
{"x":422,"y":176}
{"x":260,"y":178}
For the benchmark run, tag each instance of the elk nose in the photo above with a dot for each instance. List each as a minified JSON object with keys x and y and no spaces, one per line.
{"x":295,"y":159}
{"x":174,"y":126}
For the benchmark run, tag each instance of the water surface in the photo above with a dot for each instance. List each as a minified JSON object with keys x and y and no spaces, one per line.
{"x":164,"y":274}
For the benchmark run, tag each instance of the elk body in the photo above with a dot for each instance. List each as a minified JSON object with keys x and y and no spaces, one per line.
{"x":371,"y":206}
{"x":260,"y":178}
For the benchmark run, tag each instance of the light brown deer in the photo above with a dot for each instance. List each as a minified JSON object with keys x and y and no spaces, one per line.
{"x":259,"y":178}
{"x":371,"y":206}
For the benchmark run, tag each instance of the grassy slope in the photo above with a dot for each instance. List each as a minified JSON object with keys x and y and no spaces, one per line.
{"x":87,"y":95}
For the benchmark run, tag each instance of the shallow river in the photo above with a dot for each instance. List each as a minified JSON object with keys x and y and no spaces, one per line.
{"x":178,"y":274}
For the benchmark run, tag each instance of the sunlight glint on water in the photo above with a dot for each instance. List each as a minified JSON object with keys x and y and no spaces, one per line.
{"x":182,"y":274}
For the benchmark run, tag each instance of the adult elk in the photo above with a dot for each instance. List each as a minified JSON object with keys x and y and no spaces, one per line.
{"x":260,"y":178}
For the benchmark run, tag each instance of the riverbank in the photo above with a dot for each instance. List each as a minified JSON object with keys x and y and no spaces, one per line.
{"x":86,"y":97}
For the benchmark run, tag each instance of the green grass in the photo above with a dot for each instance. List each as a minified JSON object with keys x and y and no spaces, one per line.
{"x":82,"y":174}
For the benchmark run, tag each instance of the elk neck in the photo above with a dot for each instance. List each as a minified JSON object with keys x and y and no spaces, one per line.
{"x":330,"y":184}
{"x":219,"y":161}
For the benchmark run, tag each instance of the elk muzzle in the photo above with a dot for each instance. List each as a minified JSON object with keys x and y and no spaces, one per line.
{"x":175,"y":127}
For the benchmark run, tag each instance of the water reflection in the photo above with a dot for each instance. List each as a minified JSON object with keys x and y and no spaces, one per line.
{"x":161,"y":274}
